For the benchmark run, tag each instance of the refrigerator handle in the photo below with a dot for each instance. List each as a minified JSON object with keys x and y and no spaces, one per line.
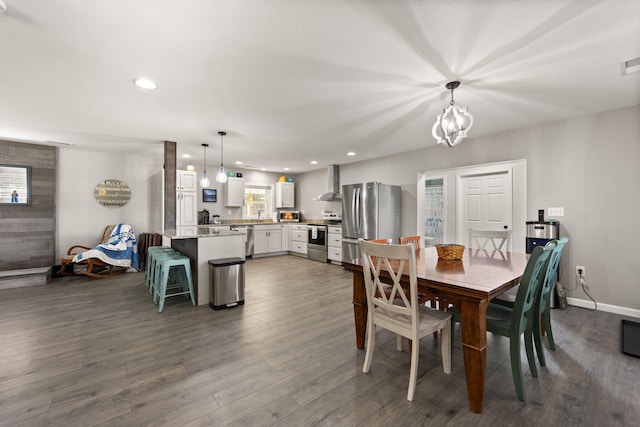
{"x":356,"y":210}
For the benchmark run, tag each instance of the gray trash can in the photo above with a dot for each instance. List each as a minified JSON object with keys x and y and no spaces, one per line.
{"x":226,"y":282}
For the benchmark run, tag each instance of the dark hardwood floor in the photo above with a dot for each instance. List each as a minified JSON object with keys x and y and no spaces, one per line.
{"x":86,"y":352}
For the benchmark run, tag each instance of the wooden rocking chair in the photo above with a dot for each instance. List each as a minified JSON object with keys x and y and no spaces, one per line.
{"x":94,"y":266}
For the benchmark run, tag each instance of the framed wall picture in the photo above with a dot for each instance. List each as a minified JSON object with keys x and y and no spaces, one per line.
{"x":112,"y":193}
{"x":15,"y":185}
{"x":209,"y":195}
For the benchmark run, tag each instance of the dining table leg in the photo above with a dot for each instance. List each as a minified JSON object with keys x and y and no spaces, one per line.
{"x":474,"y":347}
{"x":359,"y":308}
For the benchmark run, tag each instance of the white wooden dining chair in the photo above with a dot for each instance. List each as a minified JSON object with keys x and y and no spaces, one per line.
{"x":398,"y":311}
{"x":497,"y":239}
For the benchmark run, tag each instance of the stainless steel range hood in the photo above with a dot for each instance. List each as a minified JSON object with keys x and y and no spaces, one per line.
{"x":333,"y":192}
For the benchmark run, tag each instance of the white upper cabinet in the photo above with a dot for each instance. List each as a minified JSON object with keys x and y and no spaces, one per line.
{"x":234,"y":192}
{"x":186,"y":181}
{"x":186,"y":198}
{"x":285,"y":195}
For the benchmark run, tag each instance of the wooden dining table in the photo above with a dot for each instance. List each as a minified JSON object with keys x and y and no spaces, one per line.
{"x":467,"y":284}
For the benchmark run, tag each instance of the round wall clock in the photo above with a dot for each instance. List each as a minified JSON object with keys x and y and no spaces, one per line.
{"x":112,"y":193}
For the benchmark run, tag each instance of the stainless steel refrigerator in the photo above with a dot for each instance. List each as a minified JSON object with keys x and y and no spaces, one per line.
{"x":369,"y":211}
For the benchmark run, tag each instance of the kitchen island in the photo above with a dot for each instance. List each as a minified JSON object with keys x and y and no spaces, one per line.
{"x":202,"y":244}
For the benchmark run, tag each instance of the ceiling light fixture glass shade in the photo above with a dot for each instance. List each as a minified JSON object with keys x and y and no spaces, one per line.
{"x":221,"y":177}
{"x":454,"y":122}
{"x":204,"y":182}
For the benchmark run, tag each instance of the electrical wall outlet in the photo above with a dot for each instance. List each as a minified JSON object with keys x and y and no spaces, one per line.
{"x":580,"y":271}
{"x":555,"y":211}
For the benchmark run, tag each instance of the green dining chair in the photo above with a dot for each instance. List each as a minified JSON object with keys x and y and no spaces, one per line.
{"x":543,"y":303}
{"x":542,"y":322}
{"x":516,"y":321}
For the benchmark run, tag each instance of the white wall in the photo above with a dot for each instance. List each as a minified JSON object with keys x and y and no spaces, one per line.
{"x":80,"y":218}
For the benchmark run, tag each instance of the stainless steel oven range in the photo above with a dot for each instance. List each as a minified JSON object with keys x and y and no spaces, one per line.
{"x":317,"y":243}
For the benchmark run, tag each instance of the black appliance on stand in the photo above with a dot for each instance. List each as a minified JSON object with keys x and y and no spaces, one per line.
{"x":539,"y":233}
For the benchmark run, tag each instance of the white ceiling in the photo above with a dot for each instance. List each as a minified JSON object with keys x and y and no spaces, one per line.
{"x":298,"y":80}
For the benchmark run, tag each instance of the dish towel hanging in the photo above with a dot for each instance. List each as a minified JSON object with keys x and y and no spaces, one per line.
{"x":314,"y":232}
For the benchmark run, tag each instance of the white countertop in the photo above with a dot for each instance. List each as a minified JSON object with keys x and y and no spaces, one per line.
{"x":210,"y":232}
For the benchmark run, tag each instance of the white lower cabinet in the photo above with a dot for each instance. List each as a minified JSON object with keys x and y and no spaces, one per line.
{"x":334,"y":243}
{"x":299,"y":238}
{"x":286,"y":236}
{"x":267,"y":239}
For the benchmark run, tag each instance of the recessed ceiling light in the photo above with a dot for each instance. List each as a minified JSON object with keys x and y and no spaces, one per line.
{"x":313,"y":162}
{"x":351,"y":153}
{"x":145,"y":84}
{"x":191,"y":168}
{"x":238,"y":162}
{"x":186,"y":156}
{"x":263,"y":169}
{"x":286,"y":169}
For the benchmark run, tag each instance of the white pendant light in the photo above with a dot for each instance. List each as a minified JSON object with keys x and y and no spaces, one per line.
{"x":204,"y":182}
{"x":221,"y":177}
{"x":454,"y":122}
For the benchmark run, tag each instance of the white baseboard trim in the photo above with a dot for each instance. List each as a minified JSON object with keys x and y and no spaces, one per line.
{"x":624,"y":311}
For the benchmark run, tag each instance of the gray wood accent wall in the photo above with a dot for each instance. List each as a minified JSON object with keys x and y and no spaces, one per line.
{"x":27,"y":233}
{"x":170,"y":150}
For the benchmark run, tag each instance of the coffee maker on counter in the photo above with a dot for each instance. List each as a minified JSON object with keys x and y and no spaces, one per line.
{"x":203,"y":217}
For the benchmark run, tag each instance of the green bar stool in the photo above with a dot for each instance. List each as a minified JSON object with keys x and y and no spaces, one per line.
{"x":152,"y":253}
{"x":179,"y":267}
{"x":156,"y":271}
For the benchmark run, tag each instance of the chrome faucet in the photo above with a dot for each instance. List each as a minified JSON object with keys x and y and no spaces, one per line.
{"x":259,"y":215}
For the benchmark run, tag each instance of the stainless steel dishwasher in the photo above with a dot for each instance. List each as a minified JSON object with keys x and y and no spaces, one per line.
{"x":248,"y":229}
{"x":249,"y":245}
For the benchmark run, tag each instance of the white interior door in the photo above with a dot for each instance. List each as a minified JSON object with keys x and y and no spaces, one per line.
{"x":485,"y":203}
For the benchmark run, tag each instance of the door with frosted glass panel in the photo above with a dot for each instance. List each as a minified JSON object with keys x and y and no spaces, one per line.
{"x":434,"y":211}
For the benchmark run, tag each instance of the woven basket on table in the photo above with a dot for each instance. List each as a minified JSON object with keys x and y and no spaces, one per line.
{"x":450,"y":251}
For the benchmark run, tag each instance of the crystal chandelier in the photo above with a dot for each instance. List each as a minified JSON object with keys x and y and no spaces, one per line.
{"x":454,"y":122}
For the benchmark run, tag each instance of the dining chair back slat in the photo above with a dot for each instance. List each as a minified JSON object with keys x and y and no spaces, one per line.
{"x":498,"y":239}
